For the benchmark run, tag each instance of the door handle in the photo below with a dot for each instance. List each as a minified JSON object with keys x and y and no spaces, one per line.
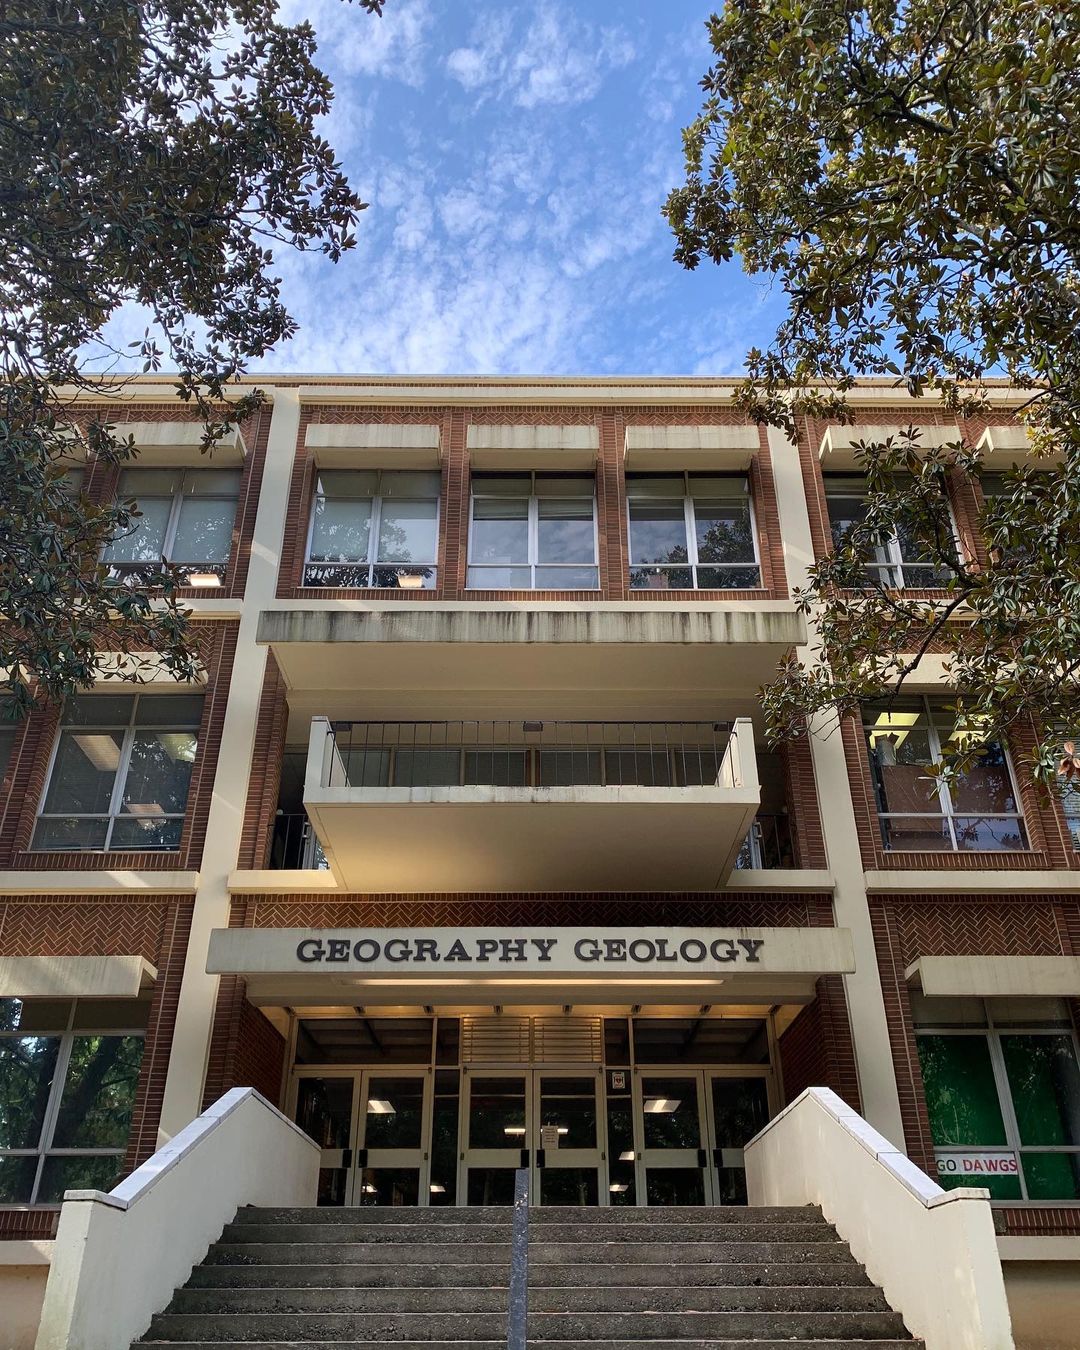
{"x":718,"y":1157}
{"x":361,"y":1157}
{"x":346,"y":1157}
{"x":524,"y":1158}
{"x":540,"y":1161}
{"x":702,"y":1158}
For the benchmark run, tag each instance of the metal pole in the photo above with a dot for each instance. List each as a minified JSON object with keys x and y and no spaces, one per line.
{"x":518,"y":1310}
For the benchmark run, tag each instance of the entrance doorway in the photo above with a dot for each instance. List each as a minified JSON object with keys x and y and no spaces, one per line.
{"x":374,"y":1129}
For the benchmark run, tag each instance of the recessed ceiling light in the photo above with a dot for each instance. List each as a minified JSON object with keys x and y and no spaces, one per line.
{"x":628,"y":1156}
{"x":436,"y":1189}
{"x":618,"y":1187}
{"x":101,"y":750}
{"x":378,"y":1107}
{"x":516,"y":1130}
{"x":662,"y":1106}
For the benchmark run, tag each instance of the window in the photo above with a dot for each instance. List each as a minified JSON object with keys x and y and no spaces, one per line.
{"x":692,"y":531}
{"x":1003,"y":1095}
{"x":533,"y":531}
{"x":898,"y":559}
{"x":373,"y":527}
{"x":68,"y":1074}
{"x":978,"y":813}
{"x":187,"y":520}
{"x":9,"y":729}
{"x":120,"y":772}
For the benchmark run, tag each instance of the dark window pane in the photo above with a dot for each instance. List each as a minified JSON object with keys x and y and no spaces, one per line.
{"x":497,"y":767}
{"x":675,"y":1186}
{"x":84,"y":772}
{"x":63,"y":832}
{"x":496,"y":1114}
{"x":17,"y":1179}
{"x":724,"y":532}
{"x":159,"y":773}
{"x":658,"y":532}
{"x":99,"y":1092}
{"x":390,"y":1186}
{"x":728,"y":578}
{"x":671,"y":1113}
{"x":491,"y":1186}
{"x":1045,"y":1085}
{"x":568,"y":1186}
{"x":1052,"y":1176}
{"x":324,"y":1108}
{"x":569,"y":768}
{"x":500,"y":531}
{"x":395,"y":1108}
{"x":570,"y":1105}
{"x":93,"y":1173}
{"x":27,"y":1066}
{"x":961,"y":1094}
{"x":565,"y":532}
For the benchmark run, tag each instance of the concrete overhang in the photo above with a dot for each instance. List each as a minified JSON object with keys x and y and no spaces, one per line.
{"x":1003,"y":446}
{"x":378,"y":966}
{"x":996,"y":976}
{"x":726,"y":649}
{"x":837,"y":450}
{"x":493,"y":838}
{"x":717,"y":448}
{"x":74,"y":976}
{"x":179,"y":444}
{"x":569,"y":449}
{"x":375,"y":445}
{"x":87,"y":882}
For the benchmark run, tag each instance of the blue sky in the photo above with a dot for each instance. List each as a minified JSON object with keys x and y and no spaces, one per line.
{"x":515,"y":156}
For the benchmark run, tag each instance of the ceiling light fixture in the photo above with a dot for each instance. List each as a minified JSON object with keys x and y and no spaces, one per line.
{"x":662,"y":1106}
{"x":378,"y":1106}
{"x":101,"y":750}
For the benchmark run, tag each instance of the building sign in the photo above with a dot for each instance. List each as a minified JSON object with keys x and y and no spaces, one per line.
{"x":976,"y":1165}
{"x":485,"y":947}
{"x":498,"y":954}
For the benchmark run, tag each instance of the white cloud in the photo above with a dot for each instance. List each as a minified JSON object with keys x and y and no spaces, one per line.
{"x":560,"y":59}
{"x":352,"y":42}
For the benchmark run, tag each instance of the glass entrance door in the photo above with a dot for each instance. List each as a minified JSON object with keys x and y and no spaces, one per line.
{"x":373,"y":1128}
{"x":692,"y":1127}
{"x":671,"y":1127}
{"x":545,"y":1119}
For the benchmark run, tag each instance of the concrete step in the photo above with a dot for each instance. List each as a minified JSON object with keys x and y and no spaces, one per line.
{"x":353,"y":1253}
{"x":266,"y":1275}
{"x":889,"y":1343}
{"x":815,"y":1231}
{"x":479,"y":1215}
{"x":660,"y":1298}
{"x":385,"y":1327}
{"x":592,"y":1254}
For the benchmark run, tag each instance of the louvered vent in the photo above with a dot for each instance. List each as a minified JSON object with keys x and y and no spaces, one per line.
{"x":496,"y":1040}
{"x":568,"y":1040}
{"x":532,"y":1040}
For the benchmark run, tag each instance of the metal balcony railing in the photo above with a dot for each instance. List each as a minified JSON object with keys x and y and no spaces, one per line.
{"x":293,"y":844}
{"x":513,"y":753}
{"x":769,"y":844}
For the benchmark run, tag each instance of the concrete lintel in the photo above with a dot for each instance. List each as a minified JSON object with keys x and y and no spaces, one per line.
{"x":1039,"y":1248}
{"x":997,"y":976}
{"x":291,"y":881}
{"x":74,"y":976}
{"x":785,"y":879}
{"x":26,"y":1252}
{"x":85,"y":882}
{"x":997,"y":881}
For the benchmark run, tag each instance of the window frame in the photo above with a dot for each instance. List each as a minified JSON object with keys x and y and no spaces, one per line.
{"x":993,"y":1032}
{"x":690,"y":530}
{"x":948,"y":811}
{"x":376,"y":500}
{"x":895,"y":563}
{"x":124,"y":568}
{"x":44,"y":1150}
{"x":130,"y":730}
{"x":533,"y":521}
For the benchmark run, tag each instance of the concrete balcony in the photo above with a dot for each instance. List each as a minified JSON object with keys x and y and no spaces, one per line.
{"x":726,"y":650}
{"x":531,"y":806}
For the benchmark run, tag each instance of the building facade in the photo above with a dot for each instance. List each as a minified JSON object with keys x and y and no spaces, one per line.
{"x":467,"y":849}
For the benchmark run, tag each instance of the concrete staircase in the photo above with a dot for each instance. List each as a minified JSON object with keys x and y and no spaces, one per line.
{"x":612,"y":1279}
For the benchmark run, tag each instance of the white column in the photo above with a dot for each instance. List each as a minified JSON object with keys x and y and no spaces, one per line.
{"x":866,"y":1006}
{"x":198,"y":992}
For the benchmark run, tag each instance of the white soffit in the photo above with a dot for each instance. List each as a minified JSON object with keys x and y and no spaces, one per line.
{"x":568,"y":448}
{"x":179,"y":445}
{"x":374,"y":445}
{"x":997,"y":976}
{"x":837,"y":450}
{"x":74,"y":976}
{"x":717,"y":447}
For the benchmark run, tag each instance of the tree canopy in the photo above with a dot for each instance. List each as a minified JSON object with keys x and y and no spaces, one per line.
{"x":909,"y":175}
{"x":155,"y":152}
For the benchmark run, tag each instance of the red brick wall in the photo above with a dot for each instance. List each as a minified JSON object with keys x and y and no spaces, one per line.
{"x":817,"y":1049}
{"x":155,"y":928}
{"x":610,"y":498}
{"x":908,"y":927}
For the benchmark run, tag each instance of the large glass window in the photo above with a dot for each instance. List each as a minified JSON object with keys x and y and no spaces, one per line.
{"x":898,"y":558}
{"x":533,"y":531}
{"x":187,"y":520}
{"x":120,"y":772}
{"x":1003,"y":1099}
{"x":692,"y":531}
{"x":68,"y":1074}
{"x":977,"y":813}
{"x":372,"y":527}
{"x":1070,"y":797}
